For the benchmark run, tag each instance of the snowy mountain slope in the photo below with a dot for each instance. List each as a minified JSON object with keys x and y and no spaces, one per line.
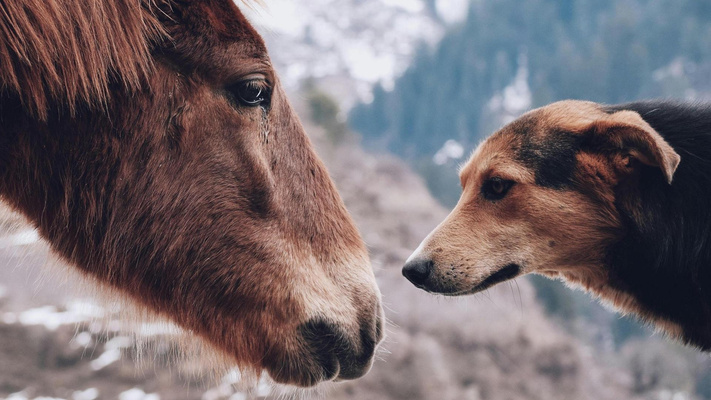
{"x":352,"y":43}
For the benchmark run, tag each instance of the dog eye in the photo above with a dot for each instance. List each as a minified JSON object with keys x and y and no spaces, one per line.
{"x":250,"y":93}
{"x":496,"y":188}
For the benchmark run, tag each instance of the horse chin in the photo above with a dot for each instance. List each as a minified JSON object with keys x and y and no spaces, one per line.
{"x":327,"y":352}
{"x":303,"y":376}
{"x":317,"y":374}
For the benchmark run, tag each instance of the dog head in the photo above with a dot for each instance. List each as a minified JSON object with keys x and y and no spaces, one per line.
{"x":542,"y":195}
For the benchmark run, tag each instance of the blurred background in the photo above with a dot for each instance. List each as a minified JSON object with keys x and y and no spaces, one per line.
{"x":396,"y":94}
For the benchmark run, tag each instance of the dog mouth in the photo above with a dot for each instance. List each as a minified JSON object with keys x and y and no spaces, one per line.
{"x":510,"y":271}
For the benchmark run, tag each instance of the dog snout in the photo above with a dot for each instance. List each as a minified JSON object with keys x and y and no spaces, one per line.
{"x":418,"y":271}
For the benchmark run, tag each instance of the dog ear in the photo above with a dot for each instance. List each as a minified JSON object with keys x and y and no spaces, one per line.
{"x":627,"y":131}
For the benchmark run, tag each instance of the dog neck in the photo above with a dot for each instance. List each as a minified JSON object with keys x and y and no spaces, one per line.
{"x":663,"y":262}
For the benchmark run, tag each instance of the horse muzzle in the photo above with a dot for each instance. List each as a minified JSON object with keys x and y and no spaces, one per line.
{"x":340,"y":355}
{"x":329,"y":352}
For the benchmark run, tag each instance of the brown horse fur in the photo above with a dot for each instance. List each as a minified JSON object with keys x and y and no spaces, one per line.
{"x":125,"y":137}
{"x":595,"y":195}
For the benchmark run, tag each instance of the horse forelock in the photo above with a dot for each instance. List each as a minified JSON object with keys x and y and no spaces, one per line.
{"x":66,"y":51}
{"x":69,"y":51}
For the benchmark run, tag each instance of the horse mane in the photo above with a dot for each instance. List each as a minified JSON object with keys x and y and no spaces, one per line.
{"x":68,"y":51}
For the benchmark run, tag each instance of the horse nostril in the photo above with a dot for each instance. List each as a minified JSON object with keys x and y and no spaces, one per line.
{"x":417,"y":271}
{"x":323,"y":339}
{"x":337,"y":354}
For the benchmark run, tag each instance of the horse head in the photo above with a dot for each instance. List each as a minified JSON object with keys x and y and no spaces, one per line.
{"x":153,"y":146}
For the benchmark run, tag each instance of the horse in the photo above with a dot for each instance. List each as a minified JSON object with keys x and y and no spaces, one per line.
{"x":152,"y":146}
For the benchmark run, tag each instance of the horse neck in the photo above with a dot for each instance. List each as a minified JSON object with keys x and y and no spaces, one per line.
{"x":38,"y":167}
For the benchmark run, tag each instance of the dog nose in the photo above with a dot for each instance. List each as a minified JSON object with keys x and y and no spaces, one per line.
{"x":417,"y":271}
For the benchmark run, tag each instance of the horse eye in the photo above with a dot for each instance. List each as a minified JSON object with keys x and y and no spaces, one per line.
{"x":496,"y":188}
{"x":250,"y":93}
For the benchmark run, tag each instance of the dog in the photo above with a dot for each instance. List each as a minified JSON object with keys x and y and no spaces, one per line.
{"x":613,"y":199}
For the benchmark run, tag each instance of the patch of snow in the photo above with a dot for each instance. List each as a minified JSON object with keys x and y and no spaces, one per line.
{"x":515,"y":98}
{"x":278,"y":16}
{"x":264,"y":387}
{"x":88,"y":394}
{"x":51,"y":318}
{"x":83,"y":339}
{"x":18,"y":396}
{"x":47,"y":398}
{"x":226,"y":389}
{"x":22,"y":238}
{"x":107,"y":358}
{"x":670,"y":395}
{"x":452,"y":11}
{"x":413,"y":6}
{"x":219,"y":392}
{"x":112,"y":326}
{"x":232,"y":377}
{"x":163,"y":328}
{"x":112,"y":352}
{"x":675,"y":69}
{"x":451,"y":150}
{"x":368,"y":66}
{"x":138,"y":394}
{"x":118,"y":342}
{"x":47,"y":316}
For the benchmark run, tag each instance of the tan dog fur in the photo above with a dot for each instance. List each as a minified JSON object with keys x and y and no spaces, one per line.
{"x":546,"y":230}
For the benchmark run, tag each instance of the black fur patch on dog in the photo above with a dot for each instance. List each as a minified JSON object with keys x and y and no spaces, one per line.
{"x":552,"y":158}
{"x":665,"y":258}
